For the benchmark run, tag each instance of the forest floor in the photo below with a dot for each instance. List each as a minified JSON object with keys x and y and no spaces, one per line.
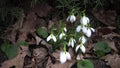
{"x":39,"y":53}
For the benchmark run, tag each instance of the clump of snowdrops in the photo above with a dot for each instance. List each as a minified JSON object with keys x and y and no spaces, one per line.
{"x":74,"y":37}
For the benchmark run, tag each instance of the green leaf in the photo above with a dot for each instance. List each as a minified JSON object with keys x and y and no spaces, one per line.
{"x":42,"y":32}
{"x":9,"y":50}
{"x":85,"y":64}
{"x":100,"y":53}
{"x":23,"y":43}
{"x":102,"y":46}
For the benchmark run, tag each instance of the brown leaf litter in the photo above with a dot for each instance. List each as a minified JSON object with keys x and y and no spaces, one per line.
{"x":106,"y":17}
{"x":112,"y":60}
{"x":18,"y":60}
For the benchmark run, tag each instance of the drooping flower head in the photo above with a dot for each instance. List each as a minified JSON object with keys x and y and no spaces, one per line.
{"x":71,"y":42}
{"x":88,"y":31}
{"x":81,"y":46}
{"x":51,"y":36}
{"x":61,"y":35}
{"x":82,"y":39}
{"x":84,"y":20}
{"x":71,"y":18}
{"x":64,"y":56}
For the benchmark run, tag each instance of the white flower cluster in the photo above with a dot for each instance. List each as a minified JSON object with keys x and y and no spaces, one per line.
{"x":87,"y":30}
{"x":83,"y":28}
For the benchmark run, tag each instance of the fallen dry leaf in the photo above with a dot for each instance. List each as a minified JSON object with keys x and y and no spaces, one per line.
{"x":18,"y":60}
{"x":111,"y":35}
{"x":67,"y":64}
{"x":42,"y":10}
{"x":10,"y":33}
{"x":53,"y":23}
{"x":111,"y":44}
{"x":106,"y":17}
{"x":113,"y":60}
{"x":40,"y":56}
{"x":104,"y":30}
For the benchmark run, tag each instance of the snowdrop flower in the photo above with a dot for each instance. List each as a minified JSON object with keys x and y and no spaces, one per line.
{"x":65,"y":29}
{"x":64,"y":56}
{"x":84,"y":20}
{"x":71,"y":42}
{"x":81,"y":46}
{"x":61,"y":35}
{"x":78,"y":29}
{"x":82,"y":39}
{"x":89,"y":32}
{"x":72,"y":18}
{"x":51,"y":36}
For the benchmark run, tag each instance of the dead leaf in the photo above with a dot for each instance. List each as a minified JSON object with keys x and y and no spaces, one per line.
{"x":29,"y":23}
{"x":53,"y":23}
{"x":27,"y":27}
{"x":18,"y":60}
{"x":40,"y":56}
{"x":10,"y":33}
{"x":40,"y":23}
{"x":56,"y":54}
{"x":106,"y":17}
{"x":113,"y":60}
{"x":49,"y":63}
{"x":38,"y":39}
{"x":104,"y":30}
{"x":111,"y":44}
{"x":42,"y":10}
{"x":111,"y":35}
{"x":67,"y":64}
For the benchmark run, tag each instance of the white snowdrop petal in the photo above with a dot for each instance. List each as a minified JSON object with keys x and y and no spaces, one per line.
{"x":68,"y":56}
{"x":72,"y":43}
{"x":60,"y":36}
{"x":78,"y":28}
{"x":65,"y":29}
{"x":76,"y":49}
{"x":62,"y":57}
{"x":72,"y":18}
{"x":68,"y":18}
{"x":49,"y":37}
{"x":68,"y":44}
{"x":82,"y":48}
{"x":54,"y":38}
{"x":83,"y":40}
{"x":74,"y":40}
{"x":92,"y":29}
{"x":84,"y":29}
{"x":88,"y":34}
